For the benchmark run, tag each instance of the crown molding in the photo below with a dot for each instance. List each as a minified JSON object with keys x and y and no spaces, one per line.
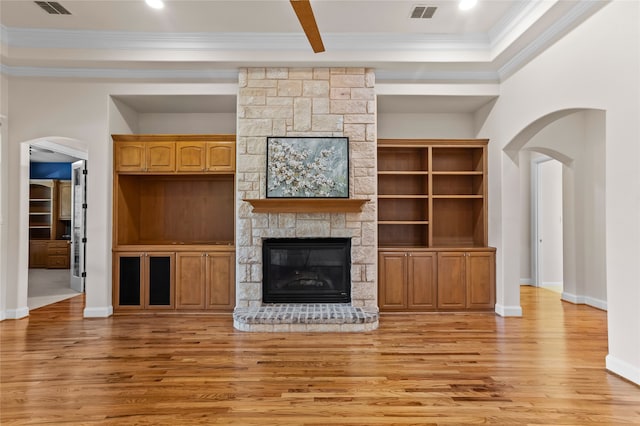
{"x":119,"y":73}
{"x":562,"y":26}
{"x":229,"y":74}
{"x":122,"y":40}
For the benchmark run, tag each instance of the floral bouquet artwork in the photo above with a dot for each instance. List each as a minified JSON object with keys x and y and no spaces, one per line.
{"x":307,"y":167}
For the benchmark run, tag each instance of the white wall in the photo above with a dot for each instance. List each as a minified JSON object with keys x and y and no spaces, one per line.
{"x":526,"y":274}
{"x":4,"y":185}
{"x":187,"y":123}
{"x":433,"y":126}
{"x":85,"y":112}
{"x":566,"y":76}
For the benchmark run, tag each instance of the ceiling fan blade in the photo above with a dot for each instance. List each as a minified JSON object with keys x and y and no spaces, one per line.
{"x":308,"y":21}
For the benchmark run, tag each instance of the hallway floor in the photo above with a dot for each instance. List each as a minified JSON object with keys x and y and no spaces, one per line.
{"x":47,"y":286}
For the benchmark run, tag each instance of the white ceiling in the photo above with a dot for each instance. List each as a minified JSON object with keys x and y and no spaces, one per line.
{"x":208,"y":40}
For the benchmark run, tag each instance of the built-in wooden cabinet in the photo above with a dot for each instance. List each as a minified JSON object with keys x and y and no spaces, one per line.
{"x":49,"y":223}
{"x":203,"y":280}
{"x":144,"y":280}
{"x":174,"y":153}
{"x":41,"y":209}
{"x":152,"y":156}
{"x":64,"y":197}
{"x":38,"y":252}
{"x":185,"y":211}
{"x":218,"y":156}
{"x":58,"y":254}
{"x":407,"y":280}
{"x":432,"y":197}
{"x":466,"y":280}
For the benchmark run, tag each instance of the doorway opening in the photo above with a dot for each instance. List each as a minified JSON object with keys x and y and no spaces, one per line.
{"x":57,"y":202}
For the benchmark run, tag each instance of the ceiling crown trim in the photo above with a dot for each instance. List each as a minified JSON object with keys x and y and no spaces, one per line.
{"x":119,"y":73}
{"x":577,"y":14}
{"x":82,"y":39}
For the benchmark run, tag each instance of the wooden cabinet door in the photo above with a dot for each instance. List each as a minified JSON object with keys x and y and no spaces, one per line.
{"x":190,"y":280}
{"x":128,"y":277}
{"x":190,"y":156}
{"x":161,"y":157}
{"x":422,"y":281}
{"x":220,"y":281}
{"x":392,"y":281}
{"x":159,"y":281}
{"x":64,"y":200}
{"x":452,"y":280}
{"x":480,"y":280}
{"x":38,"y":253}
{"x":130,"y":157}
{"x":221,"y":157}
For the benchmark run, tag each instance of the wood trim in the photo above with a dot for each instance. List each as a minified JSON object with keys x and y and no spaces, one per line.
{"x":307,"y":205}
{"x":412,"y":143}
{"x":173,"y":138}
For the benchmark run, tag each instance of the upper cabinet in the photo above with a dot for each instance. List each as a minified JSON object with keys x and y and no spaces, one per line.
{"x":161,"y":154}
{"x":64,"y":200}
{"x":209,"y":156}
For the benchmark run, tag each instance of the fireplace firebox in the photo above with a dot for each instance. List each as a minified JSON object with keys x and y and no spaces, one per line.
{"x":306,"y":270}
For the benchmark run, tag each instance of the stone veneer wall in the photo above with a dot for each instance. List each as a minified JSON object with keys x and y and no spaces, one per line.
{"x":306,"y":102}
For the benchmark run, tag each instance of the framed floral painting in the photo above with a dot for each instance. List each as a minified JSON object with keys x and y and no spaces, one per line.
{"x":307,"y":167}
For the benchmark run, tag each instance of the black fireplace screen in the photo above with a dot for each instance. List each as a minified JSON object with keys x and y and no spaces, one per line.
{"x":306,"y":270}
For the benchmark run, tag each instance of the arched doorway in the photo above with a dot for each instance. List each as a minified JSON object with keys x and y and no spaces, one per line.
{"x":576,"y":138}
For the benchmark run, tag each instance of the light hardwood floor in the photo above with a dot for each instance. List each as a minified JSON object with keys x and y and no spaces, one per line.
{"x":431,"y":369}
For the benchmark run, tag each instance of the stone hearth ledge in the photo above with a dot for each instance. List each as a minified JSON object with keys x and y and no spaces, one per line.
{"x":305,"y":317}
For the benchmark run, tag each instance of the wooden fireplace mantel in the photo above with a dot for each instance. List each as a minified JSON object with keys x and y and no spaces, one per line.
{"x":307,"y":205}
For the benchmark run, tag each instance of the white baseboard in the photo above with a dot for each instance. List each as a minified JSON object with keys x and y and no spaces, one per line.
{"x":623,"y":369}
{"x":572,"y":298}
{"x":526,"y":281}
{"x":508,"y":311}
{"x":596,"y":303}
{"x":3,"y":316}
{"x":15,"y":313}
{"x":552,"y":283}
{"x":103,"y":312}
{"x":584,"y":300}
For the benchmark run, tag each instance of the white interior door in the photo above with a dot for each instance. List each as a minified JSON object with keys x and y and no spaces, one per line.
{"x":548,"y":234}
{"x":78,"y":224}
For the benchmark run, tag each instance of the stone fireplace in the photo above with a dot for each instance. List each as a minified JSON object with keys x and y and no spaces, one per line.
{"x":306,"y":102}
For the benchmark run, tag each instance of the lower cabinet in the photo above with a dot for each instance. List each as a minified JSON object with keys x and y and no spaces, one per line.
{"x":50,"y":254}
{"x":174,"y":281}
{"x":436,"y":280}
{"x":205,"y":281}
{"x":407,"y":281}
{"x":38,"y":252}
{"x":144,"y":281}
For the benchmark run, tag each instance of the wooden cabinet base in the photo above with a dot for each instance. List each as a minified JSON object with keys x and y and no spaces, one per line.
{"x":429,"y":280}
{"x":180,"y":281}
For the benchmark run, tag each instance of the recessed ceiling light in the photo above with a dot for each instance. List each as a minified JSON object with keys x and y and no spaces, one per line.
{"x":156,"y":4}
{"x":467,"y":4}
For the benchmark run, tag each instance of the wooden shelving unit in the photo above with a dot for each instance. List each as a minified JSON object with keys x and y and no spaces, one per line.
{"x":174,"y":221}
{"x":47,"y":227}
{"x":432,"y":198}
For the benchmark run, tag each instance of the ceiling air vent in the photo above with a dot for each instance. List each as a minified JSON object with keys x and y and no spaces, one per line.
{"x":53,"y":7}
{"x":423,"y":12}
